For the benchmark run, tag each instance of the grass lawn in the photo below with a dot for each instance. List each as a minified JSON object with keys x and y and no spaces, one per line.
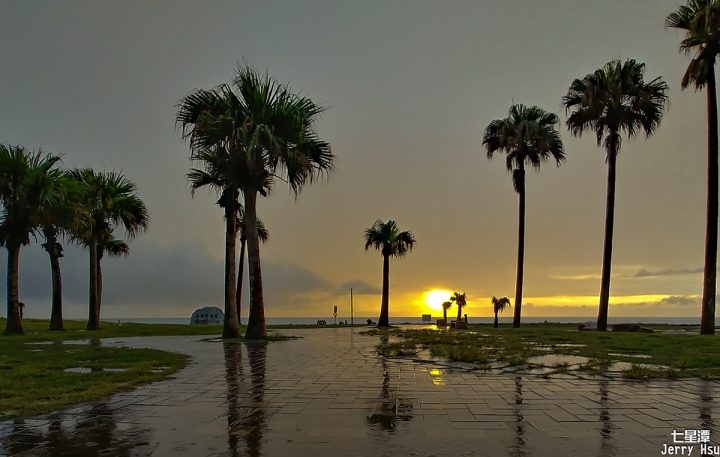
{"x":32,"y":376}
{"x":648,"y":355}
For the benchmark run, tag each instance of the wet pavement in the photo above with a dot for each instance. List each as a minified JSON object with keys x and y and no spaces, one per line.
{"x":327,"y":394}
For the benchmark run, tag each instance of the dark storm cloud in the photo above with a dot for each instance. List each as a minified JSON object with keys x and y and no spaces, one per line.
{"x":176,"y":277}
{"x":643,"y":273}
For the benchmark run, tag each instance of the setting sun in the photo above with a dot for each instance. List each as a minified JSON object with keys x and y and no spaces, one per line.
{"x":436,"y":297}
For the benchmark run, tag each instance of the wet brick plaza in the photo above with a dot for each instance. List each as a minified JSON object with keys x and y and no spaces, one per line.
{"x":328,"y":394}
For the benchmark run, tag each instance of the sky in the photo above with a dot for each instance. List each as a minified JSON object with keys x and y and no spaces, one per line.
{"x":409,"y":87}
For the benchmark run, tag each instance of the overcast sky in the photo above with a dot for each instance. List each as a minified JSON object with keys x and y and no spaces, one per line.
{"x":409,"y":87}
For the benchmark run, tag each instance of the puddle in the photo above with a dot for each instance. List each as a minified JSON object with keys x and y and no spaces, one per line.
{"x":90,"y":370}
{"x":78,"y":370}
{"x":640,"y":356}
{"x":551,"y":360}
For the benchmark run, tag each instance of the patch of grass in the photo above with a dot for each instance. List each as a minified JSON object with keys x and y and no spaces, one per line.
{"x":404,"y":349}
{"x":32,"y":376}
{"x":33,"y":380}
{"x":686,"y":355}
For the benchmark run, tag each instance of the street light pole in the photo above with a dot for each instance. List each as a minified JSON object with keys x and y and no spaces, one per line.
{"x":352,"y":322}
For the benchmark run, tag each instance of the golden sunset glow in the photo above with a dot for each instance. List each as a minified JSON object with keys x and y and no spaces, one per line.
{"x":434,"y":299}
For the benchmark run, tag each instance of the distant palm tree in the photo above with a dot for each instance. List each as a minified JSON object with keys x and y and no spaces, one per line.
{"x":110,"y":201}
{"x":700,"y":19}
{"x":61,"y":218}
{"x":264,"y":130}
{"x":263,"y":236}
{"x":461,"y":302}
{"x":387,"y":238}
{"x":445,"y":306}
{"x":526,"y":136}
{"x":499,"y":305}
{"x":611,"y":101}
{"x":28,"y":182}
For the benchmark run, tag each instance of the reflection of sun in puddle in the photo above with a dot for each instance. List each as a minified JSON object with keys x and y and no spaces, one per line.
{"x":437,"y":378}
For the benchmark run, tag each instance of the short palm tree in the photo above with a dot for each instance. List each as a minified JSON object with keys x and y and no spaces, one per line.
{"x":612,"y":101}
{"x":61,"y":218}
{"x":111,"y":201}
{"x":28,"y":182}
{"x":263,"y":236}
{"x":387,"y":238}
{"x":265,"y":131}
{"x":499,"y":305}
{"x":446,"y":306}
{"x":700,"y":19}
{"x":461,"y":301}
{"x":528,"y":136}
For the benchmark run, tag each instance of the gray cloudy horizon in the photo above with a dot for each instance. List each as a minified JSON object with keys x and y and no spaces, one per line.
{"x":409,"y":87}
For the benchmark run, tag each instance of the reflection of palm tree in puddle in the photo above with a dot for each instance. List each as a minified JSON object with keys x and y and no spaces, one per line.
{"x":706,"y":421}
{"x":390,"y":408}
{"x":607,"y":444}
{"x":518,"y":448}
{"x":95,"y":433}
{"x":246,"y":418}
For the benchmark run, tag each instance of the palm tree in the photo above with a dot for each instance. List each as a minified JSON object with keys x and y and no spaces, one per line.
{"x":28,"y":182}
{"x":263,"y":131}
{"x":461,"y":301}
{"x":446,"y":306}
{"x":611,"y":101}
{"x":527,"y":136}
{"x":56,"y":220}
{"x":263,"y":235}
{"x":499,"y":305}
{"x":111,"y":201}
{"x":391,"y":242}
{"x":700,"y":19}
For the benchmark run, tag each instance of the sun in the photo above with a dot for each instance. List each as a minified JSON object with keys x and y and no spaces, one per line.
{"x":436,"y":297}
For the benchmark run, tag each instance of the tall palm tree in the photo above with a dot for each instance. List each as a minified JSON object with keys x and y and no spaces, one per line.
{"x":527,"y":137}
{"x":111,"y":201}
{"x":264,"y":131}
{"x":28,"y":182}
{"x":499,"y":305}
{"x":263,"y":236}
{"x":56,"y":220}
{"x":461,"y":302}
{"x":612,"y":101}
{"x":387,"y":238}
{"x":700,"y":19}
{"x":446,"y":306}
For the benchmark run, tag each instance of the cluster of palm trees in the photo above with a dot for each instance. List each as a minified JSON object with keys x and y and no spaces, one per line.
{"x":82,"y":205}
{"x":242,"y":137}
{"x":614,"y":102}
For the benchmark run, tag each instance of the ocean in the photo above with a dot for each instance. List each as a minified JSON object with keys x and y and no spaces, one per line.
{"x":418,"y":320}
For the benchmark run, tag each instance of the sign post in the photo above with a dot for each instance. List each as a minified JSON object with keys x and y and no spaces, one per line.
{"x":335,"y":313}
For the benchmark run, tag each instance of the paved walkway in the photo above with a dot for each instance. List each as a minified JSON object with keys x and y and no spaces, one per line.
{"x":328,"y":395}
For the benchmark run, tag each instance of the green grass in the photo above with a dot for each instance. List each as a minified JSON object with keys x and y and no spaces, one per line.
{"x":683,"y":355}
{"x":32,"y":379}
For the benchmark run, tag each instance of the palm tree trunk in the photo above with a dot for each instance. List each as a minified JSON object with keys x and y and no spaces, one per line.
{"x":707,"y":321}
{"x":495,"y":324}
{"x":14,"y":324}
{"x":56,"y":318}
{"x":256,"y":320}
{"x":459,"y":312}
{"x":230,"y":325}
{"x":384,"y":319}
{"x":238,"y":294}
{"x":521,"y":245}
{"x":607,"y":247}
{"x":100,"y":253}
{"x":93,"y":311}
{"x":445,"y":314}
